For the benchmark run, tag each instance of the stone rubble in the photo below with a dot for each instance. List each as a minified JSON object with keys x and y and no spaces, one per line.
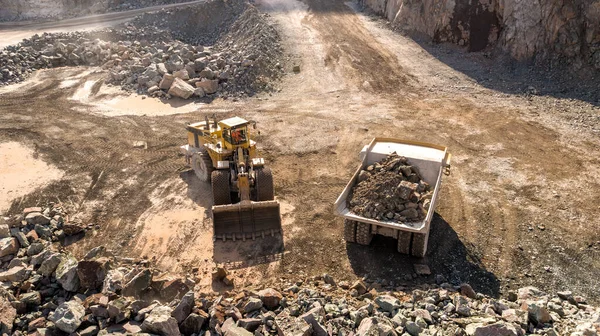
{"x":49,"y":292}
{"x":391,"y":190}
{"x":244,"y":57}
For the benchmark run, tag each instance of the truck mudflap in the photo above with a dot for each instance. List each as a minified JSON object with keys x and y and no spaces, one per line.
{"x":246,"y":220}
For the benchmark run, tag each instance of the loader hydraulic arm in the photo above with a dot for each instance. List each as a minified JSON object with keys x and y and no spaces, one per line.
{"x":242,"y":178}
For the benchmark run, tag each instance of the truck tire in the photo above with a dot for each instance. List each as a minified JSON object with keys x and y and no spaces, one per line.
{"x":404,"y":239}
{"x":202,"y":165}
{"x":220,"y":187}
{"x":419,"y":245}
{"x":349,"y":231}
{"x":363,"y":233}
{"x":264,"y":184}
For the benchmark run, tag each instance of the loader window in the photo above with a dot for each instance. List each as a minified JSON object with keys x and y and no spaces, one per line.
{"x":236,"y":136}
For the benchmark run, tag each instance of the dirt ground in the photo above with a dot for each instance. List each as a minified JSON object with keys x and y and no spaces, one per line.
{"x":521,"y":206}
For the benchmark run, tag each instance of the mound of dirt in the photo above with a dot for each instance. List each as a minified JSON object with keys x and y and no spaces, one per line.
{"x":391,"y":190}
{"x":238,"y":55}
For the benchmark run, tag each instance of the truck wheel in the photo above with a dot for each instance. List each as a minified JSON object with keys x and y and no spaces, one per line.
{"x":363,"y":234}
{"x":419,"y":245}
{"x":220,"y":187}
{"x":404,"y":238}
{"x":349,"y":231}
{"x":264,"y":184}
{"x":202,"y":165}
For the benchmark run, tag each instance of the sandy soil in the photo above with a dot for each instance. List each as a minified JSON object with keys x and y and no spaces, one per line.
{"x":520,"y":207}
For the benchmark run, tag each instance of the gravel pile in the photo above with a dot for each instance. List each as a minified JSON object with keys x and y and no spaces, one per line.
{"x":46,"y":291}
{"x":243,"y":60}
{"x":391,"y":190}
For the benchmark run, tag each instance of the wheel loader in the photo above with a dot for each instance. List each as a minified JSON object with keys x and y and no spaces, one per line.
{"x":223,"y":153}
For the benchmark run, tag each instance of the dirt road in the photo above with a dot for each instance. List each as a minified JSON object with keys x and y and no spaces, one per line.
{"x":520,"y":208}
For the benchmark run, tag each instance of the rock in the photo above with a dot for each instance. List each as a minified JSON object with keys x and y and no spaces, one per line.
{"x":252,"y":304}
{"x":360,"y":287}
{"x":530,"y":292}
{"x":173,"y":289}
{"x":15,"y":274}
{"x":209,"y":86}
{"x":37,"y":218}
{"x":50,"y":264}
{"x":387,"y":303}
{"x":91,"y":273}
{"x":270,"y":298}
{"x":39,"y":322}
{"x":68,"y":316}
{"x":8,"y":246}
{"x":424,"y":314}
{"x":184,"y":308}
{"x":132,"y":327}
{"x":375,"y":326}
{"x":462,"y":306}
{"x":219,"y":273}
{"x":66,"y":273}
{"x":160,"y":322}
{"x":23,"y":242}
{"x":181,"y":89}
{"x":513,"y":315}
{"x":113,"y":281}
{"x":296,"y":68}
{"x":71,"y":229}
{"x":4,"y":231}
{"x":7,"y":316}
{"x":413,"y":328}
{"x":496,"y":329}
{"x":538,"y":314}
{"x":93,"y":253}
{"x":35,"y":248}
{"x":230,"y":329}
{"x":166,"y":82}
{"x":43,"y":231}
{"x":250,"y":324}
{"x":138,"y":284}
{"x":31,"y":299}
{"x":467,"y":290}
{"x":181,"y":74}
{"x":118,"y":310}
{"x":89,"y":331}
{"x":313,"y":318}
{"x":193,"y":323}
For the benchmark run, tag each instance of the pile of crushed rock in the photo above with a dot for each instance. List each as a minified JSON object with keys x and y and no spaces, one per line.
{"x":244,"y":59}
{"x":46,"y":291}
{"x":391,"y":190}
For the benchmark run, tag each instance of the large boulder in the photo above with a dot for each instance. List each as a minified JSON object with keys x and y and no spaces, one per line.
{"x":50,"y":264}
{"x":138,"y":284}
{"x":209,"y":86}
{"x":68,"y":316}
{"x":270,"y":297}
{"x":66,"y":273}
{"x":181,"y":89}
{"x":166,"y":82}
{"x":8,"y":246}
{"x":160,"y":322}
{"x":91,"y":273}
{"x":184,"y":308}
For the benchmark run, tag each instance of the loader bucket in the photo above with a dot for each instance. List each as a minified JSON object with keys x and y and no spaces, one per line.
{"x":246,"y":220}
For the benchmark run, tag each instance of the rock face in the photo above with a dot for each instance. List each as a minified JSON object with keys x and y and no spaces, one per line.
{"x":541,"y":30}
{"x":68,"y":316}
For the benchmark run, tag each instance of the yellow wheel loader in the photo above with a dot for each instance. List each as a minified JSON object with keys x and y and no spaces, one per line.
{"x":222,"y":153}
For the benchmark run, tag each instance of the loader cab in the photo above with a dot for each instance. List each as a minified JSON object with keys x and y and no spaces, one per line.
{"x":235,"y":133}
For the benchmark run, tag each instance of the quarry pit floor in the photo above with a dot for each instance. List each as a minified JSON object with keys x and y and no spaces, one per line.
{"x":520,"y":207}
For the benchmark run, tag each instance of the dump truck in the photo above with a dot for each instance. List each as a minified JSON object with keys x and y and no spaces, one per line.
{"x":432,"y":161}
{"x":224,"y":154}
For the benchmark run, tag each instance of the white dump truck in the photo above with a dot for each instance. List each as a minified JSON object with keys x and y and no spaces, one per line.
{"x":431,"y":160}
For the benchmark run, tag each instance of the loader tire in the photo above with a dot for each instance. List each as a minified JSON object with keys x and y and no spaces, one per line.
{"x":363,"y":234}
{"x":419,"y":245}
{"x":220,"y":187}
{"x":349,"y":231}
{"x":202,"y":166}
{"x":404,"y":239}
{"x":264,"y":184}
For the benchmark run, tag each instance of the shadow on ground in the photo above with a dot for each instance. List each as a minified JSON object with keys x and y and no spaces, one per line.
{"x":446,"y":256}
{"x":509,"y":76}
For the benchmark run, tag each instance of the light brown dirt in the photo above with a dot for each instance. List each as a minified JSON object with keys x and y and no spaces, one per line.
{"x":514,"y":171}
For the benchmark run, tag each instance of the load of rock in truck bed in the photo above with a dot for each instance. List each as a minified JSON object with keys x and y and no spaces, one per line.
{"x":391,"y":190}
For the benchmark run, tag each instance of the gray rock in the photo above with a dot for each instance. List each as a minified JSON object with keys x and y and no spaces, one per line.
{"x":467,"y":290}
{"x":21,"y":238}
{"x":91,"y":273}
{"x":314,"y":317}
{"x":49,"y":265}
{"x":43,"y":232}
{"x":166,"y":82}
{"x":113,"y":281}
{"x":15,"y":274}
{"x":538,"y":314}
{"x":35,"y":248}
{"x":138,"y":284}
{"x":387,"y":303}
{"x":160,"y":322}
{"x":66,"y":273}
{"x":496,"y":329}
{"x":252,"y":304}
{"x":184,"y":308}
{"x":250,"y":324}
{"x":31,"y":299}
{"x":209,"y":86}
{"x":8,"y":246}
{"x":37,"y":218}
{"x":375,"y":326}
{"x":4,"y":231}
{"x":118,"y":310}
{"x":462,"y":306}
{"x":193,"y":323}
{"x":68,"y":316}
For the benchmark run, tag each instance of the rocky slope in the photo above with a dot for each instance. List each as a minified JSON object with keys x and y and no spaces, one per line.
{"x":541,"y":30}
{"x":46,"y":291}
